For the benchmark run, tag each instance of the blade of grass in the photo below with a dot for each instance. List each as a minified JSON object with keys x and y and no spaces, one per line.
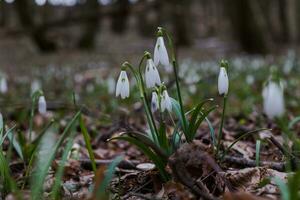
{"x":60,"y":170}
{"x":257,"y":152}
{"x":285,"y":194}
{"x":43,"y":167}
{"x":241,"y":137}
{"x":86,"y":137}
{"x":100,"y":191}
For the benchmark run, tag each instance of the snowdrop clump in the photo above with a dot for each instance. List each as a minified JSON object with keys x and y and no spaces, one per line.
{"x":273,"y":99}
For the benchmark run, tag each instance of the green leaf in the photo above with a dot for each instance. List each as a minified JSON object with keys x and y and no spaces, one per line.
{"x":6,"y":180}
{"x":60,"y":170}
{"x":108,"y":177}
{"x":44,"y":162}
{"x":242,"y":136}
{"x":16,"y":144}
{"x":177,"y":111}
{"x":285,"y":194}
{"x":6,"y":134}
{"x":86,"y":137}
{"x":211,"y":132}
{"x":257,"y":152}
{"x":195,"y":113}
{"x":159,"y":163}
{"x":293,"y":122}
{"x":199,"y":121}
{"x":147,"y":141}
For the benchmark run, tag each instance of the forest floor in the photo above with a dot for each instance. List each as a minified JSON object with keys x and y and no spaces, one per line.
{"x":90,"y":78}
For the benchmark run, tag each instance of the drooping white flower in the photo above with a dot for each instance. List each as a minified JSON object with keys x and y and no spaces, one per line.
{"x":223,"y":82}
{"x":273,"y":99}
{"x":165,"y":103}
{"x":35,"y":86}
{"x":42,"y":105}
{"x":151,"y":74}
{"x":154,"y":102}
{"x":161,"y":54}
{"x":122,"y":87}
{"x":3,"y":85}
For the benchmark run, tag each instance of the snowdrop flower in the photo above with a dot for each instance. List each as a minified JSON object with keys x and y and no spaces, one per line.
{"x":151,"y":74}
{"x":111,"y":84}
{"x":154,"y":102}
{"x":273,"y":99}
{"x":122,"y":87}
{"x":161,"y":53}
{"x":3,"y":85}
{"x":165,"y":103}
{"x":42,"y":105}
{"x":35,"y":86}
{"x":223,"y":82}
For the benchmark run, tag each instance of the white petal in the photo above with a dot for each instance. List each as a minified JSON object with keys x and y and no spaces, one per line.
{"x":156,"y":53}
{"x":3,"y":85}
{"x":163,"y":53}
{"x":42,"y":106}
{"x":122,"y":87}
{"x":273,"y":97}
{"x":154,"y":102}
{"x":223,"y":82}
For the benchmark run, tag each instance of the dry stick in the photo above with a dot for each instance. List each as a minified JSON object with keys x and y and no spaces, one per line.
{"x":279,"y":166}
{"x":124,"y":164}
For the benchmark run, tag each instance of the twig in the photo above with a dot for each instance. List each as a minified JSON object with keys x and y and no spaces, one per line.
{"x":124,"y":164}
{"x":279,"y":166}
{"x":143,"y":196}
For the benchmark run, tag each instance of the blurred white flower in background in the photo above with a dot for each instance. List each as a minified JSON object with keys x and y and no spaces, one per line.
{"x":273,"y":99}
{"x":42,"y":105}
{"x":35,"y":86}
{"x":3,"y":85}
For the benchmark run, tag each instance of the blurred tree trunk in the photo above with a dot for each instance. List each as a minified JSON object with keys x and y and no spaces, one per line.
{"x":247,"y":25}
{"x":36,"y":33}
{"x":147,"y":19}
{"x":292,"y":19}
{"x":87,"y":40}
{"x":181,"y":21}
{"x":119,"y":16}
{"x":2,"y":13}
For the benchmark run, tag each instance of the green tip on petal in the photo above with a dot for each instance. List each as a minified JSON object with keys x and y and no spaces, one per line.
{"x":124,"y":66}
{"x":159,"y":32}
{"x":224,"y":63}
{"x":147,"y":54}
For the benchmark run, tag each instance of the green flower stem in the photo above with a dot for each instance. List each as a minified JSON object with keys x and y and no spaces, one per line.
{"x":175,"y":66}
{"x":140,"y":82}
{"x":220,"y":133}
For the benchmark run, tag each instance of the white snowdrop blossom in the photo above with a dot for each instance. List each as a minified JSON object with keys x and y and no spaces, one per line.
{"x":3,"y":85}
{"x":165,"y":103}
{"x":42,"y":105}
{"x":161,"y":54}
{"x":223,"y":82}
{"x":122,"y":88}
{"x":35,"y":86}
{"x":273,"y":99}
{"x":154,"y":102}
{"x":151,"y":74}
